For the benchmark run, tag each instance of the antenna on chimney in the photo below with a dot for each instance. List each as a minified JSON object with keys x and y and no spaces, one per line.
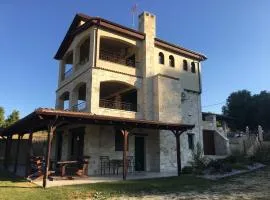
{"x":134,"y":11}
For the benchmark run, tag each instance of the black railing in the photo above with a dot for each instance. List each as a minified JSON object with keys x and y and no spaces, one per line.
{"x":117,"y":105}
{"x":116,"y":58}
{"x":78,"y":107}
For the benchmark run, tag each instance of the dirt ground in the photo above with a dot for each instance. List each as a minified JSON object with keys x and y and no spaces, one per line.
{"x":255,"y":185}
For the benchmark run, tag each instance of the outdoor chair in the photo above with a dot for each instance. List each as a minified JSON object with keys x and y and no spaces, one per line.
{"x":131,"y":164}
{"x":104,"y":164}
{"x":80,"y":168}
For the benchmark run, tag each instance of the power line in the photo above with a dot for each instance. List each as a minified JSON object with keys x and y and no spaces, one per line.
{"x":216,"y":104}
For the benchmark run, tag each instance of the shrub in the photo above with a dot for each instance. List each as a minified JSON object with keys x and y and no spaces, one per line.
{"x":219,"y":166}
{"x":187,"y":170}
{"x":262,"y":154}
{"x":237,"y":157}
{"x":238,"y":166}
{"x":199,"y":161}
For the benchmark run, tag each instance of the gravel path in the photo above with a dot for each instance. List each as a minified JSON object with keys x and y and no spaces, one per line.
{"x":254,"y":185}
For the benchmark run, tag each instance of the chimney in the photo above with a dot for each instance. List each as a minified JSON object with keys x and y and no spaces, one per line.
{"x":147,"y":24}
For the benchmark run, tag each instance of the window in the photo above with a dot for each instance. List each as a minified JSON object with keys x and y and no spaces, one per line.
{"x":119,"y":141}
{"x":171,"y":61}
{"x":191,"y":141}
{"x":193,"y":67}
{"x":185,"y":65}
{"x":161,"y":58}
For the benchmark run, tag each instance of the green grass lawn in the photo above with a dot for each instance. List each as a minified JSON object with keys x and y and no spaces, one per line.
{"x":12,"y":187}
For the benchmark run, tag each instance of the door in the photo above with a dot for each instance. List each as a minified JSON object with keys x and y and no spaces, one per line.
{"x":209,"y":142}
{"x":139,"y":154}
{"x":77,"y":143}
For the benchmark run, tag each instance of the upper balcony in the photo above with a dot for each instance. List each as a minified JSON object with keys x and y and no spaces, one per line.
{"x":118,"y":55}
{"x":74,"y":100}
{"x":118,"y":95}
{"x":75,"y":59}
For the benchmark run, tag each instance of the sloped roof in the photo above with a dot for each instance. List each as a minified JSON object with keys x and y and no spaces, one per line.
{"x":74,"y":29}
{"x":42,"y":117}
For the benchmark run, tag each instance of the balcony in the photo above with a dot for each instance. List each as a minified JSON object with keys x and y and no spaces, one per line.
{"x":68,"y":74}
{"x":80,"y":107}
{"x":119,"y":105}
{"x":117,"y":58}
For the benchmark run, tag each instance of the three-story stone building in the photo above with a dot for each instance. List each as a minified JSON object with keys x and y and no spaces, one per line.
{"x":111,"y":70}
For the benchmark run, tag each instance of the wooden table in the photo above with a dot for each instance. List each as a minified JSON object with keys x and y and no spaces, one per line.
{"x":63,"y":165}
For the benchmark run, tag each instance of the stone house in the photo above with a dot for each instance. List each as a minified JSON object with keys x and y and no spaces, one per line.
{"x":111,"y":70}
{"x":121,"y":94}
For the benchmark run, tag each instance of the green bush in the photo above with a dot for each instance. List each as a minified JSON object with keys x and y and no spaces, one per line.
{"x":187,"y":170}
{"x":199,"y":162}
{"x":262,"y":154}
{"x":219,"y":166}
{"x":237,"y":157}
{"x":238,"y":166}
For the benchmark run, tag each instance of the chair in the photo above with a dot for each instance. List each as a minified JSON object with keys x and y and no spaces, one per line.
{"x":131,"y":164}
{"x":104,"y":164}
{"x":83,"y":166}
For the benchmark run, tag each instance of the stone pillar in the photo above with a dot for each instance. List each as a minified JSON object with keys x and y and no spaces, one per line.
{"x":61,"y":72}
{"x":73,"y":99}
{"x":147,"y":24}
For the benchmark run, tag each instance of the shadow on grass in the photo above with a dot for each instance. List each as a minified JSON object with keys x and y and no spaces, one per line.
{"x":148,"y":186}
{"x":10,"y":180}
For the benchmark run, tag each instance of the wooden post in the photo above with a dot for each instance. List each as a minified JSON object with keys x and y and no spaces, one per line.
{"x":177,"y":134}
{"x":17,"y":153}
{"x":5,"y":156}
{"x":51,"y":130}
{"x":7,"y":151}
{"x":125,"y":143}
{"x":27,"y":162}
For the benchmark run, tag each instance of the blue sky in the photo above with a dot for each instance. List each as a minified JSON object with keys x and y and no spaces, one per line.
{"x":234,"y":35}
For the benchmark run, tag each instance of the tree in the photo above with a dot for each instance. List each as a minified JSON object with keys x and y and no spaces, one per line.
{"x":12,"y":118}
{"x":2,"y":117}
{"x":238,"y":106}
{"x":248,"y":110}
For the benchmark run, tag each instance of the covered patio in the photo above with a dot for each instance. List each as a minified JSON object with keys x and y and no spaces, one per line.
{"x":50,"y":120}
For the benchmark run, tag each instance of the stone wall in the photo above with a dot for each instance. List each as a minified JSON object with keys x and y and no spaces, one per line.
{"x":100,"y":141}
{"x":190,"y":112}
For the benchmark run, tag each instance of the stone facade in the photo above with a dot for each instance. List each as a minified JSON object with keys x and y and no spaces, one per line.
{"x":164,"y":93}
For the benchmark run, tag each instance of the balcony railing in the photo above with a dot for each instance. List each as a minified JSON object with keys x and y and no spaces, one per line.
{"x":78,"y":107}
{"x":116,"y":58}
{"x":119,"y":105}
{"x":68,"y":73}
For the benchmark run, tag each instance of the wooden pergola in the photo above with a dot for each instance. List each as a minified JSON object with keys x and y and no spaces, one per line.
{"x":50,"y":120}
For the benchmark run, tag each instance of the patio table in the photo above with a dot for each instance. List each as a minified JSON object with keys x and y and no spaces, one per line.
{"x":63,"y":165}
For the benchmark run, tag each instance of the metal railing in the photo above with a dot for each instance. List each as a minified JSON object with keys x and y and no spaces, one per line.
{"x":78,"y":107}
{"x":68,"y":73}
{"x":117,"y":105}
{"x":116,"y":58}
